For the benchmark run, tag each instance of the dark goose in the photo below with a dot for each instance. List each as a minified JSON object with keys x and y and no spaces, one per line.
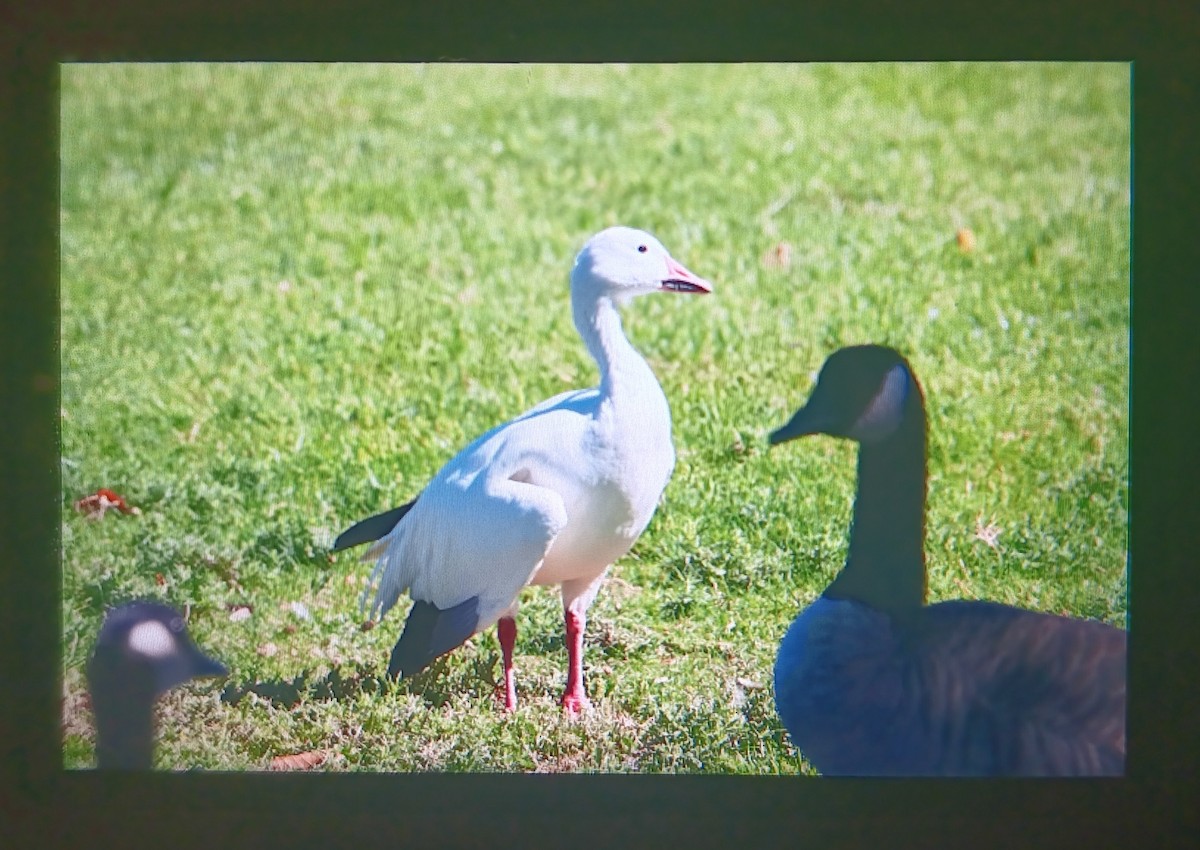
{"x":143,"y":650}
{"x":871,"y":681}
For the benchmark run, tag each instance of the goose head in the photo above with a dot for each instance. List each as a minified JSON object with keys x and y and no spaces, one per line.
{"x":622,"y":263}
{"x":144,"y":646}
{"x":142,"y":651}
{"x":863,"y":393}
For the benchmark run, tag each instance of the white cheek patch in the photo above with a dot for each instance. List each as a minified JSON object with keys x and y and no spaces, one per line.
{"x":151,"y":639}
{"x":886,"y":411}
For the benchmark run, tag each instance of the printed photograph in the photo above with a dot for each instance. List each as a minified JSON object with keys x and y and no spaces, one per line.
{"x":635,"y":419}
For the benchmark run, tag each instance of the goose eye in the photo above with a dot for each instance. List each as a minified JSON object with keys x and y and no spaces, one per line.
{"x":641,"y":249}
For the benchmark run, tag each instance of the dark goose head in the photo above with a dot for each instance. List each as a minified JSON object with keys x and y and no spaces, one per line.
{"x":143,"y":650}
{"x":863,"y":393}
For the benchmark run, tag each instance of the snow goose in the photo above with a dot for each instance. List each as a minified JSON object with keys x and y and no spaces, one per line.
{"x":554,"y":496}
{"x":870,"y":680}
{"x":143,"y":650}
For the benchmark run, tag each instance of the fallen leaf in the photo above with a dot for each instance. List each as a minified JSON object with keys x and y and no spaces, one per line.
{"x":778,"y":256}
{"x":367,"y":625}
{"x":96,"y":505}
{"x":300,"y":761}
{"x":966,"y":240}
{"x":160,"y":580}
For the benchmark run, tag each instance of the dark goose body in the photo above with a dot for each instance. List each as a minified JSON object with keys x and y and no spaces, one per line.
{"x":870,"y":680}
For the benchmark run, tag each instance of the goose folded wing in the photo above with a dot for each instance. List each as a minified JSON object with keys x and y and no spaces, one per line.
{"x":476,"y":576}
{"x":1052,"y":688}
{"x":480,"y":529}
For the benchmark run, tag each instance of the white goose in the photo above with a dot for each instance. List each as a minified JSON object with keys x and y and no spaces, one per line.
{"x":554,"y":496}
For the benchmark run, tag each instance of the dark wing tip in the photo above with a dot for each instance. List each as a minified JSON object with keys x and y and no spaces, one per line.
{"x":372,"y":528}
{"x":430,"y":632}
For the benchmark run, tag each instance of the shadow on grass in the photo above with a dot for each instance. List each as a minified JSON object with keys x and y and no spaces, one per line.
{"x":434,"y":685}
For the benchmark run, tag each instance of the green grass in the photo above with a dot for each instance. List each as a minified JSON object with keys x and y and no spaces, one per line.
{"x":289,"y":294}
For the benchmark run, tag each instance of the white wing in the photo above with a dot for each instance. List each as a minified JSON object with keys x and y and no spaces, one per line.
{"x":483,"y":525}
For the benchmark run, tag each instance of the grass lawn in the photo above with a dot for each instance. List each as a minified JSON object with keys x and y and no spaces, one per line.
{"x":291,"y":293}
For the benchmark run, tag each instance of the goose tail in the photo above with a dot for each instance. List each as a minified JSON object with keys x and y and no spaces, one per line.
{"x":389,"y":579}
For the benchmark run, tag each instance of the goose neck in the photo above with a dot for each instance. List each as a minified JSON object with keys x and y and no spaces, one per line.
{"x":599,"y":324}
{"x":124,"y":733}
{"x":885,"y":567}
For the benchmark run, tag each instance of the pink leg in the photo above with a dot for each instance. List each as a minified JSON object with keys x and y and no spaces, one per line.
{"x":506,"y":630}
{"x":574,"y":699}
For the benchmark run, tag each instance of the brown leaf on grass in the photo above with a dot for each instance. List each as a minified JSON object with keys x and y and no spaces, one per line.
{"x":778,"y":256}
{"x":367,"y":625}
{"x":300,"y":761}
{"x":966,"y":240}
{"x":96,"y":505}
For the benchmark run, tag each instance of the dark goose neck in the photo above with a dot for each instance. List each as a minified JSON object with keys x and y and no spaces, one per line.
{"x":885,"y":567}
{"x":124,"y":711}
